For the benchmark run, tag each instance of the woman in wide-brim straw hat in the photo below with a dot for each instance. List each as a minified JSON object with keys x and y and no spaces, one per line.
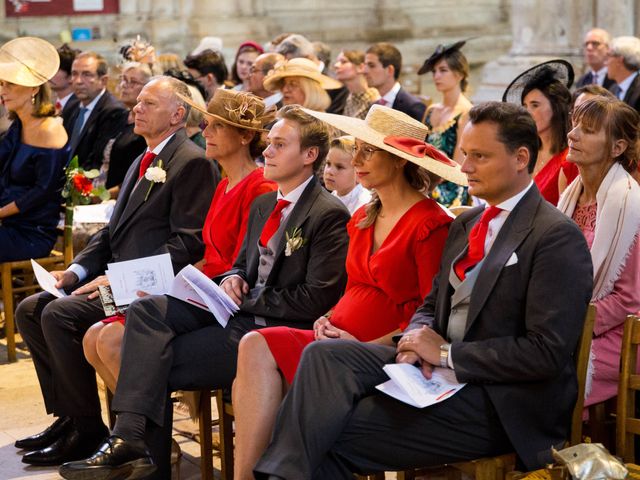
{"x":395,"y":246}
{"x":301,"y":83}
{"x":32,"y":154}
{"x":235,"y":121}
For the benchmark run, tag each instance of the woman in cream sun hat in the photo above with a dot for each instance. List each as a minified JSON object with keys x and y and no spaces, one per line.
{"x":395,"y":248}
{"x":32,"y":154}
{"x":301,"y":83}
{"x":235,"y":121}
{"x":398,"y":134}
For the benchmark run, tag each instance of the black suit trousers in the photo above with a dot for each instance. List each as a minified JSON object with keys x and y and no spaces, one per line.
{"x":333,"y":421}
{"x":171,"y":345}
{"x":53,"y":329}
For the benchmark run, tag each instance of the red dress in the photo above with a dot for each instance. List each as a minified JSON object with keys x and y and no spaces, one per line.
{"x":384,"y":288}
{"x":226,"y":223}
{"x":547,"y":178}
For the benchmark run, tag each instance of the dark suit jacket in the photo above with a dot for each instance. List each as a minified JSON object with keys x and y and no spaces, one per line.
{"x":70,"y":111}
{"x":407,"y":103}
{"x":169,"y":221}
{"x":107,"y":118}
{"x":608,"y":83}
{"x":308,"y":283}
{"x":632,"y":97}
{"x":524,"y":321}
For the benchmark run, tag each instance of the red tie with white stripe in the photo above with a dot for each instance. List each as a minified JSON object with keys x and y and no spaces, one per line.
{"x":478,"y":235}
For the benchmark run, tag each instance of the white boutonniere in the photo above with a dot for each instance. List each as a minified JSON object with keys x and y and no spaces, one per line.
{"x":155,"y":175}
{"x":294,"y":241}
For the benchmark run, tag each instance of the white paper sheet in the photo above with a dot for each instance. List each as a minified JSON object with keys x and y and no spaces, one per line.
{"x":46,"y":281}
{"x":98,"y":213}
{"x":193,"y":286}
{"x":409,"y":385}
{"x":153,"y":275}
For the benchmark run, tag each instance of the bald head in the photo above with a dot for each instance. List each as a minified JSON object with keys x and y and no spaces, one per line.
{"x":596,"y":45}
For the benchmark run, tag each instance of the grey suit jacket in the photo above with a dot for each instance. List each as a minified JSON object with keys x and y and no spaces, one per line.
{"x":169,"y":221}
{"x":524,"y":321}
{"x":308,"y":283}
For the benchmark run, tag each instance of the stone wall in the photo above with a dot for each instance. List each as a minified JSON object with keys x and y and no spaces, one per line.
{"x":416,"y":26}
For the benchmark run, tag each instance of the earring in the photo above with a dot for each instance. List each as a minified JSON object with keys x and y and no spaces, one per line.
{"x":33,"y":100}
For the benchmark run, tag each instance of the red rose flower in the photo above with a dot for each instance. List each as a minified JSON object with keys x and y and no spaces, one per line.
{"x":82,"y":184}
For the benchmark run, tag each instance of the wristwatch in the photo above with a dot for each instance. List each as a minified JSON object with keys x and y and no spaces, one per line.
{"x":444,"y":355}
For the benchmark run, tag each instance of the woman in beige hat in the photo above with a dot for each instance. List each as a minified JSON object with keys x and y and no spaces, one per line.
{"x":235,"y":121}
{"x":32,"y":154}
{"x":395,"y":246}
{"x":300,"y":82}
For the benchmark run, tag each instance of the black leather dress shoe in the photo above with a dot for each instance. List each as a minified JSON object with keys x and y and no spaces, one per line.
{"x":116,"y":459}
{"x":46,"y":437}
{"x":71,"y":446}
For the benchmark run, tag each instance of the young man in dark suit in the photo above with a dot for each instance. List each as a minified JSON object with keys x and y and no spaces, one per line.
{"x":148,"y":219}
{"x":99,"y":115}
{"x":505,"y":313}
{"x":289,"y":271}
{"x":382,"y":67}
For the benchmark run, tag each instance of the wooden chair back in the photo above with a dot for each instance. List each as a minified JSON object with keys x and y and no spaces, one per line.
{"x":627,"y":421}
{"x":583,"y":352}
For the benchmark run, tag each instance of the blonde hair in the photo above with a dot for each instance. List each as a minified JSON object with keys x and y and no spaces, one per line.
{"x":315,"y":97}
{"x":344,"y":144}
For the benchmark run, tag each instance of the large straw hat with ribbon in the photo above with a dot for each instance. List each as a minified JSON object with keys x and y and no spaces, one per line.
{"x":28,"y":61}
{"x":298,"y":67}
{"x":239,"y":109}
{"x":399,"y":134}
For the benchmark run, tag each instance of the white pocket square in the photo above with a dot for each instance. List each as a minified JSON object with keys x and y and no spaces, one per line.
{"x":513,"y":259}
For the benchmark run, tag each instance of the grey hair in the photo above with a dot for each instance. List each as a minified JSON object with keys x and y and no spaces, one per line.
{"x":629,"y":49}
{"x":177,"y":87}
{"x":143,"y":67}
{"x":296,"y":46}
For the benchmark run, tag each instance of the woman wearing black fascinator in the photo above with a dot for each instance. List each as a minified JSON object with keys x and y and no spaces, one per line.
{"x":544,"y":91}
{"x":447,"y":118}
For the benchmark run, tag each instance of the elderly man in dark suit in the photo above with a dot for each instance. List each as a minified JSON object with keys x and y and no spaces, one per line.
{"x":505,"y":313}
{"x":99,"y":115}
{"x":382,"y":67}
{"x":596,"y":47}
{"x":289,"y":271}
{"x":148,"y":219}
{"x":623,"y":63}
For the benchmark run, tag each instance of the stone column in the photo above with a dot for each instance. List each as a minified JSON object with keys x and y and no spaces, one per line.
{"x":546,"y":29}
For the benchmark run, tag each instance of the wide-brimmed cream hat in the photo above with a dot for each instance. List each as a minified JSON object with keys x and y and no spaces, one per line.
{"x":399,"y":134}
{"x":28,"y":61}
{"x":298,"y":67}
{"x":239,"y":109}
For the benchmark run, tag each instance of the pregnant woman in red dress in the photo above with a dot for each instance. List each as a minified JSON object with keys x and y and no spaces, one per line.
{"x":394,"y":252}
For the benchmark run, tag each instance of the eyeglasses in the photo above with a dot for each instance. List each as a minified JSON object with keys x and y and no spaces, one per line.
{"x":129,"y":82}
{"x":253,"y":70}
{"x":366,"y":151}
{"x":593,"y":43}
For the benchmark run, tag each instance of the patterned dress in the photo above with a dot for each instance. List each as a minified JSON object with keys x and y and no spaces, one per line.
{"x":444,"y":138}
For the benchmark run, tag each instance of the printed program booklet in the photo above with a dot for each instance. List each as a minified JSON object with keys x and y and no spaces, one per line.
{"x":408,"y":384}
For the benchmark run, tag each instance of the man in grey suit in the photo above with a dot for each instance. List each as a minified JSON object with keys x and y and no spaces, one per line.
{"x":148,"y":219}
{"x":505,"y":313}
{"x":289,"y":271}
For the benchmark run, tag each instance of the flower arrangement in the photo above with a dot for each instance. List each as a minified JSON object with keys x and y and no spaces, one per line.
{"x":79,"y":190}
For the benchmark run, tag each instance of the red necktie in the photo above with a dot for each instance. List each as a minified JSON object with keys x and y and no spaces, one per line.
{"x":382,"y":101}
{"x":145,"y":162}
{"x":58,"y":107}
{"x":476,"y":242}
{"x":273,"y":222}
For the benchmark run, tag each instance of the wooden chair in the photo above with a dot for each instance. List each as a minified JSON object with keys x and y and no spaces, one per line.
{"x":627,"y":422}
{"x":16,"y":278}
{"x":225,"y":426}
{"x":495,"y":468}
